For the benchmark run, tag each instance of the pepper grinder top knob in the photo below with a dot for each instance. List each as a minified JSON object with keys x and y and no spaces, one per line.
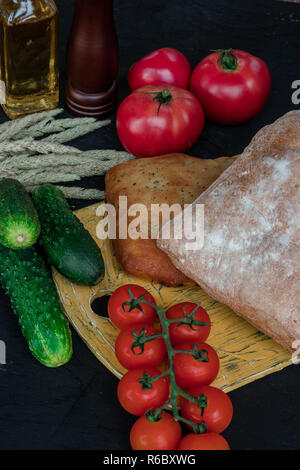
{"x":92,"y":60}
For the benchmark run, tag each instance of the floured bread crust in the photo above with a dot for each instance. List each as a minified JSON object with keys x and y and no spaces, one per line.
{"x":169,"y":179}
{"x":251,"y":255}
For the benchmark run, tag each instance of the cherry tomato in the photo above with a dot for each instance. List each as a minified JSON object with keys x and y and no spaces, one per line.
{"x":164,"y":66}
{"x":207,"y":441}
{"x":183,"y":333}
{"x":125,"y":308}
{"x":232,"y":86}
{"x":136,"y":397}
{"x":191,"y":372}
{"x":218,"y":412}
{"x":155,"y":120}
{"x":153,"y":354}
{"x":164,"y":434}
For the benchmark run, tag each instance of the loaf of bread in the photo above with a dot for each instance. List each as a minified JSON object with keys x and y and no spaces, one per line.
{"x":250,"y":260}
{"x":168,"y":179}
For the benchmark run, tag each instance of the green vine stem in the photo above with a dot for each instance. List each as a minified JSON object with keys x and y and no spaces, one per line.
{"x":146,"y":381}
{"x":227,"y":59}
{"x":133,"y":302}
{"x":161,"y":97}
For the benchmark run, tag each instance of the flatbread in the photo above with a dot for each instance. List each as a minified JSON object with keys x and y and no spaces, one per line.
{"x":170,"y":179}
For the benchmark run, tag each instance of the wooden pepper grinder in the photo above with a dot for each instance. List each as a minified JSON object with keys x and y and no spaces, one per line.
{"x":92,"y":60}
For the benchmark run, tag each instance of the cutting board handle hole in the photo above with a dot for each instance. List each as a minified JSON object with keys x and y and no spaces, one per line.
{"x":99,"y":305}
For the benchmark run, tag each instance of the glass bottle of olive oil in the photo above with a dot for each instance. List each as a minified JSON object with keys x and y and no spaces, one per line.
{"x":29,"y":55}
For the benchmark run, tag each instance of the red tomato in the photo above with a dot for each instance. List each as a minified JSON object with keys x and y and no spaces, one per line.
{"x":190,"y":372}
{"x":207,"y":441}
{"x":154,"y":120}
{"x":183,"y":333}
{"x":232,"y":86}
{"x":218,"y":412}
{"x":164,"y":66}
{"x":136,"y":398}
{"x":164,"y":434}
{"x":153,"y":354}
{"x":136,"y":313}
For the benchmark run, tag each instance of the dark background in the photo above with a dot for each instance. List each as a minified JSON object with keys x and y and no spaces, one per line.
{"x":76,"y":407}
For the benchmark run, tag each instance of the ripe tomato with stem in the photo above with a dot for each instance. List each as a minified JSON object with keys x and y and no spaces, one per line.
{"x":133,"y":348}
{"x":232,"y":85}
{"x":138,"y":392}
{"x":164,"y":66}
{"x":194,"y":327}
{"x":159,"y":120}
{"x":125,"y":308}
{"x":217,"y":413}
{"x":195,"y":364}
{"x":151,"y":432}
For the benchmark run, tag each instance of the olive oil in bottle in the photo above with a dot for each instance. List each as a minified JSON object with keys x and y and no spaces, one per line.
{"x":29,"y":55}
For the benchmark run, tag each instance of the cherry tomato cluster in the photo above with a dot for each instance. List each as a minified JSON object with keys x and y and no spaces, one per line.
{"x":162,"y":116}
{"x":149,"y":387}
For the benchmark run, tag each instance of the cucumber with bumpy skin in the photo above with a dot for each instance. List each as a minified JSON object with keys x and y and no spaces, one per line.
{"x":27,"y":281}
{"x":19,"y":222}
{"x":69,"y":247}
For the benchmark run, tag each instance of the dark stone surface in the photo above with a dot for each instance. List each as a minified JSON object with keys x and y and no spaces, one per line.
{"x":76,"y":407}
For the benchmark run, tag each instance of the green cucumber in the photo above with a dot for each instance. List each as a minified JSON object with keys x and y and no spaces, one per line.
{"x":19,"y":222}
{"x":68,"y":245}
{"x":27,"y":281}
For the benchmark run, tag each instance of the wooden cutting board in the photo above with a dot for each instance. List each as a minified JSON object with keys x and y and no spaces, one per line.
{"x":245,"y":353}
